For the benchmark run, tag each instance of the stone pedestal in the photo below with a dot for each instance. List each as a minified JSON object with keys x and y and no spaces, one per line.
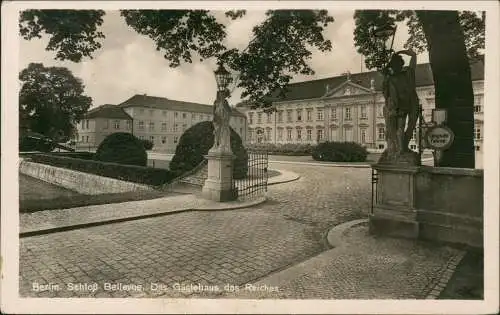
{"x":219,"y":184}
{"x":394,"y":211}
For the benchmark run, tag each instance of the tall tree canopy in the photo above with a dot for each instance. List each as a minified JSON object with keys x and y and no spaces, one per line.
{"x":281,"y":45}
{"x":51,"y":100}
{"x":453,"y":39}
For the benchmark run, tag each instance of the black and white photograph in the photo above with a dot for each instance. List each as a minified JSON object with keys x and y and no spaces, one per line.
{"x":250,"y":157}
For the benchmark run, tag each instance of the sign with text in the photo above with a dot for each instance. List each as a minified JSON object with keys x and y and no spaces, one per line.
{"x":439,"y":137}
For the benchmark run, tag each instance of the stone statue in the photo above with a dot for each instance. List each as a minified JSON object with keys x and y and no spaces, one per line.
{"x":401,"y":104}
{"x":222,"y":129}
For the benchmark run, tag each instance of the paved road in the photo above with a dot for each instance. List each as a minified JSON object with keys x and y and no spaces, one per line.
{"x":208,"y":248}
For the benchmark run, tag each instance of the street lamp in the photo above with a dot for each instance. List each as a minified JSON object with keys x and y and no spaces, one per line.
{"x":222,"y":77}
{"x":384,"y":32}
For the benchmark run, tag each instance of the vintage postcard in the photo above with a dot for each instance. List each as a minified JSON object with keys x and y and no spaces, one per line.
{"x":250,"y":157}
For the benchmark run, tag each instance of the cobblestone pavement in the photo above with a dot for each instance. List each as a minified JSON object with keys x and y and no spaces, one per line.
{"x":363,"y":267}
{"x":207,"y":248}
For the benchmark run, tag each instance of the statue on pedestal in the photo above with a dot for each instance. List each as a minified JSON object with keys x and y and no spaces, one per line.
{"x":401,"y":109}
{"x":222,"y":129}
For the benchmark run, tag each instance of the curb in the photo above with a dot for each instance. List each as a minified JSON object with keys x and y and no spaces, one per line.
{"x":336,"y":233}
{"x":234,"y":206}
{"x":446,"y":275}
{"x":292,"y":177}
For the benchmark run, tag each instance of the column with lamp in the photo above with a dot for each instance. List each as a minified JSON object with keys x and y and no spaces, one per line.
{"x":219,"y":184}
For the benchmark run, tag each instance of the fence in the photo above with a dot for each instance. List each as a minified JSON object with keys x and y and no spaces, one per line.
{"x":254,"y":185}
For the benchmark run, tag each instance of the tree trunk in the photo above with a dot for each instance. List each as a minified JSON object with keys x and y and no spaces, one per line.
{"x":452,"y":82}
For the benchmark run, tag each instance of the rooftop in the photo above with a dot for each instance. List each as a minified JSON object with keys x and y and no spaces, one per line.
{"x":168,"y":104}
{"x":107,"y":111}
{"x":316,"y":88}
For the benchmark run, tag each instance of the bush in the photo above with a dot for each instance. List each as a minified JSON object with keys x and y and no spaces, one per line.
{"x":148,"y":144}
{"x":122,"y":148}
{"x":283,"y":149}
{"x":340,"y":152}
{"x":130,"y":173}
{"x":40,"y":143}
{"x":85,"y":155}
{"x":195,"y":143}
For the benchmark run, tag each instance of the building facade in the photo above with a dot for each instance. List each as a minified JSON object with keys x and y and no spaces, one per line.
{"x":157,"y":119}
{"x":348,"y":108}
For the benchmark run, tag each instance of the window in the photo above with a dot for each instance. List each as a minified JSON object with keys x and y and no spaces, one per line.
{"x":184,"y":115}
{"x":141,"y":111}
{"x":381,"y":146}
{"x":141,"y":125}
{"x":87,"y":124}
{"x":477,"y":109}
{"x":269,"y":116}
{"x":309,"y":114}
{"x":347,"y":113}
{"x":348,"y":134}
{"x":299,"y":134}
{"x":151,"y":112}
{"x":333,"y":134}
{"x":259,"y":118}
{"x":289,"y":134}
{"x":128,"y":124}
{"x":164,"y":112}
{"x":280,"y":116}
{"x":82,"y":139}
{"x":299,"y":114}
{"x":176,"y":139}
{"x":268,"y":135}
{"x":176,"y":114}
{"x":309,"y":134}
{"x":477,"y":132}
{"x":280,"y":134}
{"x":334,"y":114}
{"x":176,"y":127}
{"x":250,"y":118}
{"x":380,"y":110}
{"x":363,"y":112}
{"x":413,"y":146}
{"x":163,"y":126}
{"x":319,"y":114}
{"x":116,"y":124}
{"x":362,"y":133}
{"x":320,"y":134}
{"x":152,"y":138}
{"x":381,"y":133}
{"x":241,"y":132}
{"x":289,"y":116}
{"x":87,"y":139}
{"x":193,"y":116}
{"x":163,"y":139}
{"x":151,"y":126}
{"x":106,"y":124}
{"x":478,"y":148}
{"x":414,"y":135}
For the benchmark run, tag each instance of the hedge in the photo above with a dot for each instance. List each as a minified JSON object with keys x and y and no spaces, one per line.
{"x":340,"y":152}
{"x":283,"y":149}
{"x":122,"y":148}
{"x":131,"y":173}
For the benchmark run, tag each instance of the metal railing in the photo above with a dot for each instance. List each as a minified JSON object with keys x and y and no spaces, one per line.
{"x":254,"y":185}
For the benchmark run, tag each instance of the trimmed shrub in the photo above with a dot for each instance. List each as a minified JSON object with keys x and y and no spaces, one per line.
{"x":122,"y":148}
{"x":296,"y":149}
{"x":131,"y":173}
{"x":195,"y":143}
{"x":85,"y":155}
{"x":339,"y":152}
{"x":148,"y":144}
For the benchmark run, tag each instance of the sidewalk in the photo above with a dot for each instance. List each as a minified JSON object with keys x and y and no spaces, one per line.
{"x":361,"y":266}
{"x":50,"y":221}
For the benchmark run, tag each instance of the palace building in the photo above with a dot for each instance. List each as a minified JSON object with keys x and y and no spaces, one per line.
{"x":348,"y":108}
{"x":158,"y":119}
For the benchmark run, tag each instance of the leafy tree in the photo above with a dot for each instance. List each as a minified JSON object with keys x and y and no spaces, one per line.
{"x":51,"y":100}
{"x":122,"y":148}
{"x":453,"y":39}
{"x":281,"y":46}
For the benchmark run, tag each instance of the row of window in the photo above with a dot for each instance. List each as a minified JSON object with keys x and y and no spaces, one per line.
{"x":309,"y":114}
{"x":348,"y":134}
{"x":164,"y":113}
{"x":163,"y":139}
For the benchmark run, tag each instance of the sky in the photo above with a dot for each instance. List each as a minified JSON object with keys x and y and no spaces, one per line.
{"x":128,"y":63}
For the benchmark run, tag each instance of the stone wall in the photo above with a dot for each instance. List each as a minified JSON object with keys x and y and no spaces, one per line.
{"x":450,"y":204}
{"x":80,"y":182}
{"x":431,"y":203}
